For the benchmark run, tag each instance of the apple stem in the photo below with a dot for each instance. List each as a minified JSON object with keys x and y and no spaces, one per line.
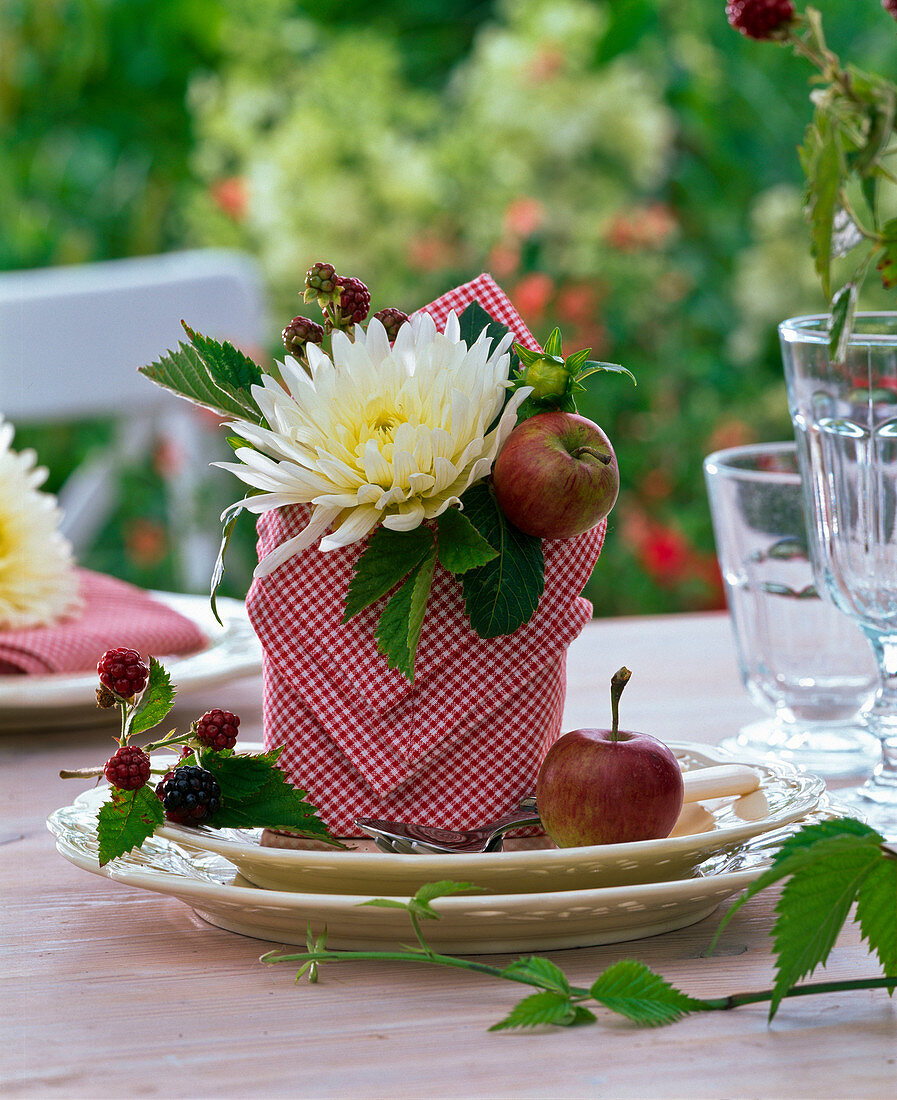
{"x":601,"y":456}
{"x":618,"y":681}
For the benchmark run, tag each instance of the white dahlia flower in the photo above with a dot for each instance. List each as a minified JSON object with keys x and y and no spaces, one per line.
{"x":37,"y":578}
{"x":380,"y":434}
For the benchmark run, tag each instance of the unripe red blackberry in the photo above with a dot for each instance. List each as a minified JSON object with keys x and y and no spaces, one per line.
{"x":354,"y":300}
{"x":123,"y":672}
{"x":392,"y":320}
{"x":321,"y":279}
{"x":218,"y":729}
{"x":760,"y":18}
{"x":128,"y":768}
{"x":299,"y":332}
{"x":890,"y":7}
{"x":189,"y":794}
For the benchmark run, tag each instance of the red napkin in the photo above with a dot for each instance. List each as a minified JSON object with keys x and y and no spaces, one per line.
{"x":113,"y":614}
{"x":463,"y":744}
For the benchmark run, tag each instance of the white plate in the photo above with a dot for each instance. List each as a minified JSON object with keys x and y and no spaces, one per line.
{"x":785,"y":795}
{"x":70,"y":698}
{"x":469,"y":924}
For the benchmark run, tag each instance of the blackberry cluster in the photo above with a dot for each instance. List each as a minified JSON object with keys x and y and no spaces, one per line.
{"x":218,"y":729}
{"x":321,"y":278}
{"x":122,"y":672}
{"x":354,"y":300}
{"x":392,"y":319}
{"x":759,"y":18}
{"x":299,"y":332}
{"x":128,"y":768}
{"x":189,"y":794}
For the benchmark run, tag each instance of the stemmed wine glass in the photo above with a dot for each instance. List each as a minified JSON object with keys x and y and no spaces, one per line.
{"x":845,"y":421}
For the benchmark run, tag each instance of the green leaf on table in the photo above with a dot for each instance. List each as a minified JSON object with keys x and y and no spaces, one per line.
{"x":821,"y":162}
{"x":388,"y":557}
{"x":547,"y":1007}
{"x":155,"y":702}
{"x":828,"y":865}
{"x":419,"y":904}
{"x":876,"y":912}
{"x":276,"y":804}
{"x":126,"y":820}
{"x":238,"y":774}
{"x":399,"y":627}
{"x":633,"y":990}
{"x":538,"y":970}
{"x":503,"y":594}
{"x":461,"y":546}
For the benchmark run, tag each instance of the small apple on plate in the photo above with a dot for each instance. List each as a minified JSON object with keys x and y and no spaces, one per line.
{"x":609,"y":786}
{"x":556,"y":476}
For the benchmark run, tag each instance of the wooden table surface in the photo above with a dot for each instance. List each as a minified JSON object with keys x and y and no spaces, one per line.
{"x":110,"y":991}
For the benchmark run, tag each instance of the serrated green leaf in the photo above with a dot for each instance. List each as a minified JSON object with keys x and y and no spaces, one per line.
{"x":387,"y":903}
{"x":503,"y":594}
{"x":126,"y":820}
{"x":388,"y":557}
{"x":811,"y":843}
{"x":538,"y":971}
{"x":813,"y":907}
{"x":633,"y":990}
{"x":594,"y":365}
{"x":399,"y":627}
{"x":155,"y":702}
{"x":184,"y":372}
{"x":843,"y":310}
{"x":822,"y":167}
{"x":443,"y":889}
{"x":231,"y":369}
{"x":539,"y":1010}
{"x":461,"y":546}
{"x":876,"y":911}
{"x":238,"y":775}
{"x":274,"y":805}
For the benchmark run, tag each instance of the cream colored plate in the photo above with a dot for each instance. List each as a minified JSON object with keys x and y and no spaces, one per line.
{"x":469,"y":924}
{"x":28,"y":702}
{"x":785,"y":795}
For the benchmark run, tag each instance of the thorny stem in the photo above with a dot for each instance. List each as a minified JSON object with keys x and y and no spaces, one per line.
{"x":577,"y":993}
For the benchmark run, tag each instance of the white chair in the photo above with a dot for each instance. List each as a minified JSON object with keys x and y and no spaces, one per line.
{"x":71,"y":342}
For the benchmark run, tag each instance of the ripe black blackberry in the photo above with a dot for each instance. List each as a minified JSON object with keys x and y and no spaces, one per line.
{"x":760,"y":18}
{"x":354,"y":300}
{"x":392,"y":320}
{"x":128,"y":768}
{"x":321,"y":278}
{"x":123,"y":672}
{"x":218,"y":729}
{"x":299,"y":332}
{"x":189,"y":794}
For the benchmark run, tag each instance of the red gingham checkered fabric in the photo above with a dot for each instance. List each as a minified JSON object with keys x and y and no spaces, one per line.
{"x":464,"y":742}
{"x":113,"y":614}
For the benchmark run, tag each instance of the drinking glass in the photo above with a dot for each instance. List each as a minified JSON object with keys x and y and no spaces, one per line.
{"x":845,"y":421}
{"x":802,"y":661}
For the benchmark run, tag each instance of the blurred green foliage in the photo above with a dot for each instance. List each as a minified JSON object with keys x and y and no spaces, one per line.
{"x":625,"y":169}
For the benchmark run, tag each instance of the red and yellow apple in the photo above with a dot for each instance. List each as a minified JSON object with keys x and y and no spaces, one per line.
{"x":556,"y":475}
{"x":609,"y":786}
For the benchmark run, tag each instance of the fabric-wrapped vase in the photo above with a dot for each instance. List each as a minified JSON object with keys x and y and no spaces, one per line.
{"x":465,"y":741}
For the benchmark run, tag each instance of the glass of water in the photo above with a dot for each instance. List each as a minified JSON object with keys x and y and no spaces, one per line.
{"x":844,"y":412}
{"x":802,"y":661}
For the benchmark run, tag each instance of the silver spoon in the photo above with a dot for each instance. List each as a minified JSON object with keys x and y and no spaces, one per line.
{"x":409,"y":838}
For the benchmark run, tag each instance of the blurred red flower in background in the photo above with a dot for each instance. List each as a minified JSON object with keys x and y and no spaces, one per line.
{"x":231,"y":196}
{"x":532,"y":295}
